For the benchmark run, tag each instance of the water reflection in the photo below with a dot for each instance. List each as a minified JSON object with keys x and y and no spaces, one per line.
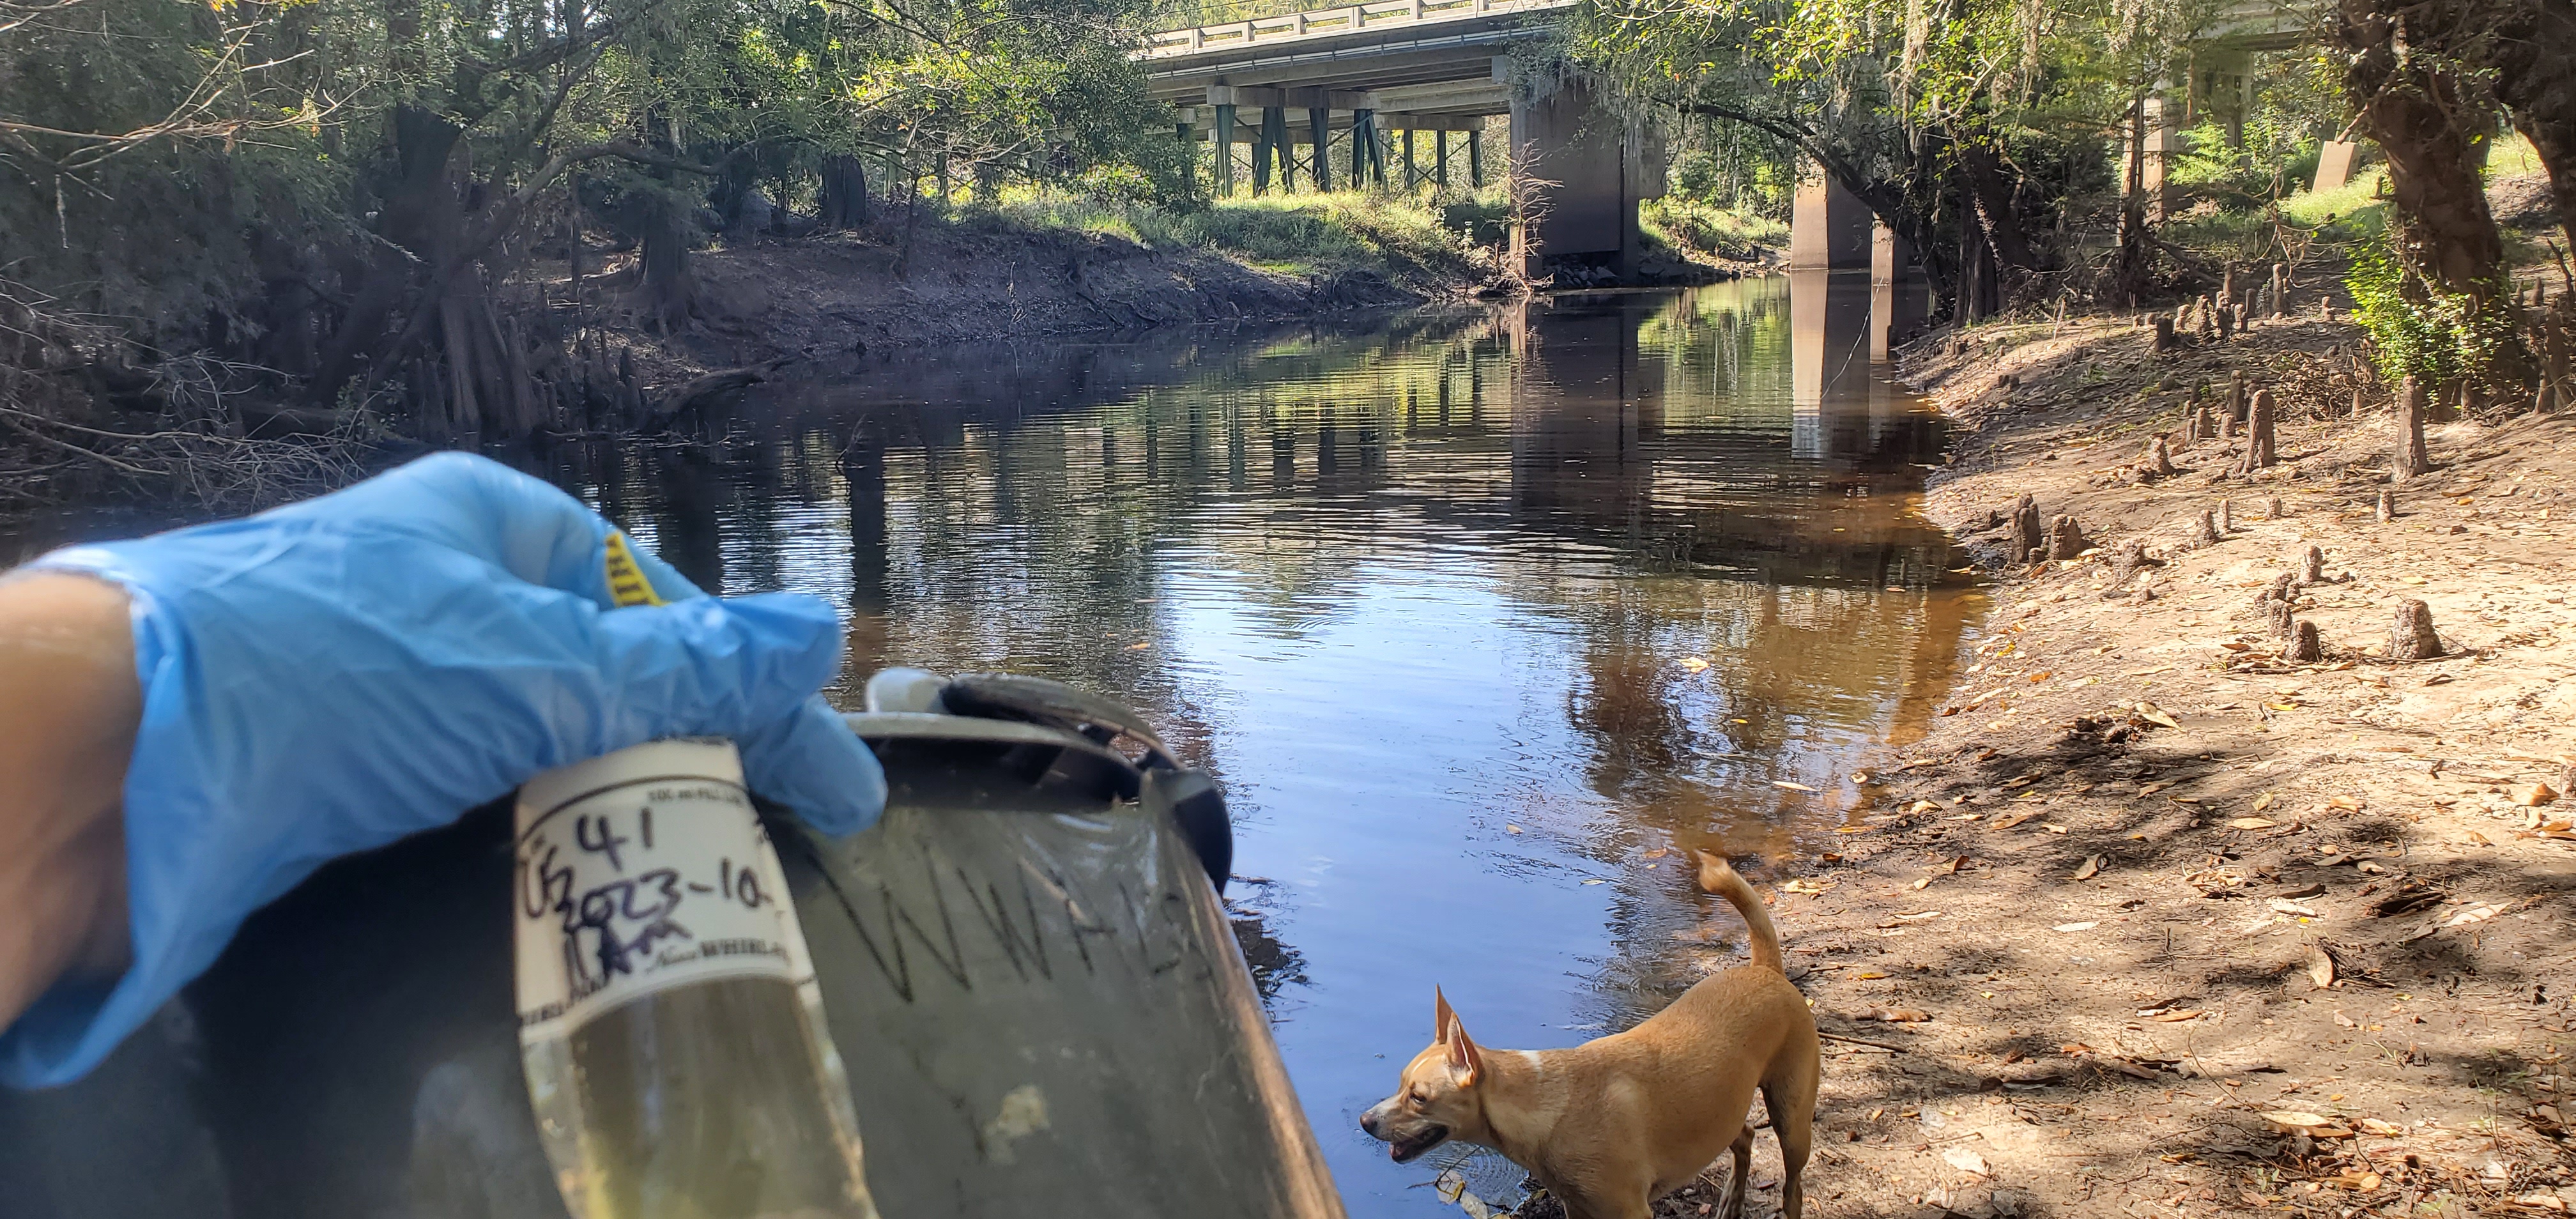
{"x":1479,"y":615}
{"x":1433,"y":597}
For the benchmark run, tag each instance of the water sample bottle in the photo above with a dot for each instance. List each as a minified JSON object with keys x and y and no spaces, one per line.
{"x":669,"y":1021}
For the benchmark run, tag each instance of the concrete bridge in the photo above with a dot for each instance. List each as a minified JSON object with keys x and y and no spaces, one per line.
{"x":1329,"y":97}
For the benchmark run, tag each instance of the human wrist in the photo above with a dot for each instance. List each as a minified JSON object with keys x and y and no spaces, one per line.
{"x":69,"y":705}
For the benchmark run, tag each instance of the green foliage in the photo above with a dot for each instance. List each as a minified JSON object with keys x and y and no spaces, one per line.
{"x":2419,"y":331}
{"x":2271,"y":163}
{"x":182,"y":158}
{"x":1694,"y":225}
{"x":1297,"y":233}
{"x":154,"y":233}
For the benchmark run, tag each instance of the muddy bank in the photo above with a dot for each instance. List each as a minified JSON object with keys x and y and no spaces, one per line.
{"x":768,"y":305}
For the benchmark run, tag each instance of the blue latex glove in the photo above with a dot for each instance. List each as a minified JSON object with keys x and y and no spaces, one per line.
{"x":336,"y":674}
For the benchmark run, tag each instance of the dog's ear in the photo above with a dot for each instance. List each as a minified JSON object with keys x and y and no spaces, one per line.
{"x":1442,"y":1018}
{"x":1465,"y":1062}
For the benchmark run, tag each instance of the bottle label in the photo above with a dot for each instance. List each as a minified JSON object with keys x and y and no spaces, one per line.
{"x":643,"y":883}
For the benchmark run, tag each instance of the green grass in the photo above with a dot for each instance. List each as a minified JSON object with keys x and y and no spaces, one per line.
{"x":2350,"y":201}
{"x":2512,"y":156}
{"x":1293,"y":234}
{"x":1704,"y":228}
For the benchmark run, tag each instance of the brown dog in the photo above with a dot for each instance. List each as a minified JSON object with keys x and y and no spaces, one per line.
{"x":1613,"y":1124}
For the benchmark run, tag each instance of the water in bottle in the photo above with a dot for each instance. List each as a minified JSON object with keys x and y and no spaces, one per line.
{"x":669,"y":1021}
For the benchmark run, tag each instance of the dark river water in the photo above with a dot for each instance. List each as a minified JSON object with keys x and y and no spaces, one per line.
{"x":1478,"y":615}
{"x":1481,"y":616}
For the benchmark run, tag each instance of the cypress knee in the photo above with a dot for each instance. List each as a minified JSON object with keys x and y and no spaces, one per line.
{"x":2411,"y":459}
{"x":2305,"y":647}
{"x":2312,"y":566}
{"x":2386,"y":509}
{"x":2065,"y":538}
{"x":2411,"y":635}
{"x":2278,"y":618}
{"x":2158,"y":462}
{"x":2205,"y":531}
{"x":2258,"y":450}
{"x":2027,"y":534}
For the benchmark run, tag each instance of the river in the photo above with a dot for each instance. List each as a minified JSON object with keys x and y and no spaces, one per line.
{"x":1480,"y":615}
{"x":1483,"y":617}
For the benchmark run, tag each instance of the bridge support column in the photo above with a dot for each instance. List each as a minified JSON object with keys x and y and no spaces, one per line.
{"x":1440,"y":159}
{"x":1603,"y":165}
{"x":1829,"y":227}
{"x":2334,"y":164}
{"x":1475,"y":159}
{"x":1224,"y":144}
{"x":1319,"y":122}
{"x":1412,"y":171}
{"x":1187,"y":133}
{"x":2164,"y":138}
{"x":1271,"y":144}
{"x":1897,"y":299}
{"x":1365,"y":158}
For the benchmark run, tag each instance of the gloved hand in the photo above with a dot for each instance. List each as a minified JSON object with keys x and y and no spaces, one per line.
{"x":336,"y":674}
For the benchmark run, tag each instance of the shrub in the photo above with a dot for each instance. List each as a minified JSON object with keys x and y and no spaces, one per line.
{"x":2416,"y":330}
{"x":1699,"y":226}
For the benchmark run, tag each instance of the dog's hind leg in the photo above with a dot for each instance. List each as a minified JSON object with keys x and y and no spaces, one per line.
{"x":1791,"y":1098}
{"x":1730,"y":1204}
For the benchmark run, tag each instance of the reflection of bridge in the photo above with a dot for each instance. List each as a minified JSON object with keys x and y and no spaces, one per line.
{"x":1365,"y":76}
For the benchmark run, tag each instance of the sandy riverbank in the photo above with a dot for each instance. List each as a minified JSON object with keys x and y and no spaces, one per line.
{"x":2156,"y":922}
{"x":2165,"y":895}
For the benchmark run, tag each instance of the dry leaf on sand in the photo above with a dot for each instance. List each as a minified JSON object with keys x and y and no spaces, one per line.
{"x":1965,"y":1160}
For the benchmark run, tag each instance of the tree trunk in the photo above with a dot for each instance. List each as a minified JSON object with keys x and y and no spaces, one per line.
{"x":2432,"y":125}
{"x":2531,"y":47}
{"x":845,"y":192}
{"x":421,"y":206}
{"x":1990,"y":207}
{"x":1980,"y":293}
{"x":666,"y":293}
{"x":2137,"y":258}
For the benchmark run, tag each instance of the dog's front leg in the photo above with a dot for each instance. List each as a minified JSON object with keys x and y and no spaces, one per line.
{"x":1730,"y":1205}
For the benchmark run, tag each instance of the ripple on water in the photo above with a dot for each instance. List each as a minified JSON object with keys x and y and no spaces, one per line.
{"x":1421,"y":594}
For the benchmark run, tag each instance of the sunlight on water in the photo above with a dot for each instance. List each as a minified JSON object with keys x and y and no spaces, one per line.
{"x":1427,"y":595}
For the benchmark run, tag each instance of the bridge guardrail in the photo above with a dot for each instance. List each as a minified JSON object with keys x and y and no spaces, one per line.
{"x":1346,"y":19}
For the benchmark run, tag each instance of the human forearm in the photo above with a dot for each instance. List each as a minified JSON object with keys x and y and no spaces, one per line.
{"x":69,"y":702}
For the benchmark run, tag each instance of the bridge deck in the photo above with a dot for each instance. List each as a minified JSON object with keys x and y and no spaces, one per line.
{"x":1440,"y":49}
{"x":1435,"y":57}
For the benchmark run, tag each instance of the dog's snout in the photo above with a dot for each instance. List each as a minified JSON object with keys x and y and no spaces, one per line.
{"x":1368,"y":1122}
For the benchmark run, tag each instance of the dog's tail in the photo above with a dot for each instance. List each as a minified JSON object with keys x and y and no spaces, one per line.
{"x":1717,"y":878}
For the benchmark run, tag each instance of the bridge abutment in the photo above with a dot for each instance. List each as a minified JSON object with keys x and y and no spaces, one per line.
{"x":1829,"y":227}
{"x":1589,"y":167}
